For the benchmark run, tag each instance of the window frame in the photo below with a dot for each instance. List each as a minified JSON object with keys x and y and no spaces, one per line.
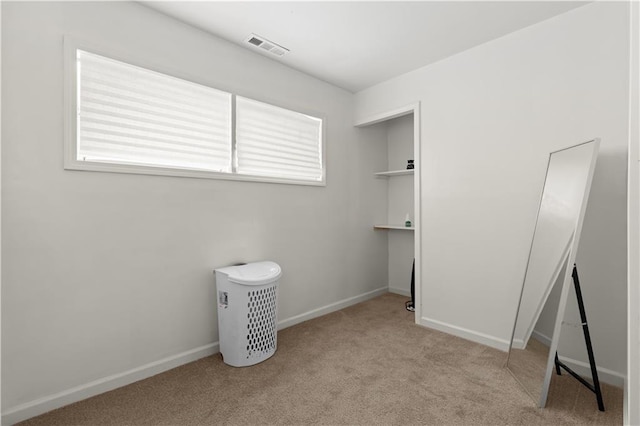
{"x":71,"y":83}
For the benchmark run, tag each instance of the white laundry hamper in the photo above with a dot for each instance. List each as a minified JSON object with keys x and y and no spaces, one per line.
{"x":248,"y":312}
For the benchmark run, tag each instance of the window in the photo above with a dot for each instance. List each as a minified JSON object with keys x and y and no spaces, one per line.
{"x":276,"y":142}
{"x":124,"y":118}
{"x":131,"y":115}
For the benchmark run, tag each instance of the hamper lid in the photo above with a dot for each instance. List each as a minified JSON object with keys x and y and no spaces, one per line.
{"x":256,"y":273}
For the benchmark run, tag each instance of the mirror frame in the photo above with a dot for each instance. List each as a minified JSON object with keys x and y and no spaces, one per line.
{"x":570,"y":259}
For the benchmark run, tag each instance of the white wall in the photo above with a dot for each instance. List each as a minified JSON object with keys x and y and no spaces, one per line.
{"x":106,"y":273}
{"x":0,"y":213}
{"x":490,"y":117}
{"x":632,"y":394}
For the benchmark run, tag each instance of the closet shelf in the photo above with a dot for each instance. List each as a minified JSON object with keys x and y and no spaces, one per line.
{"x":395,"y":173}
{"x":395,"y":227}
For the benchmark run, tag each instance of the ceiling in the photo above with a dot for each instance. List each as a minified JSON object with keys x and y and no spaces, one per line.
{"x":355,"y":45}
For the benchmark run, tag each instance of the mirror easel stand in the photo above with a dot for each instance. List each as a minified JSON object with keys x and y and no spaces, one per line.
{"x":595,"y":387}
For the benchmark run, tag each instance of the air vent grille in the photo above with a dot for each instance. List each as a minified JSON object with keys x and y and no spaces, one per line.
{"x":267,"y":45}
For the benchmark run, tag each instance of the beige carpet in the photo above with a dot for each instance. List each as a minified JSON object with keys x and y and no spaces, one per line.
{"x":367,"y":364}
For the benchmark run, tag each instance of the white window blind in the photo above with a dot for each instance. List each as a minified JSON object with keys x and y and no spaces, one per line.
{"x":130,"y":115}
{"x":276,"y":142}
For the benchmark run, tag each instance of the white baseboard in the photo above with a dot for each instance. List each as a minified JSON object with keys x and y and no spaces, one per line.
{"x":518,"y":344}
{"x":331,"y":308}
{"x":467,"y":334}
{"x":400,"y":291}
{"x":96,"y":387}
{"x":51,"y":402}
{"x":604,"y":374}
{"x":583,"y":368}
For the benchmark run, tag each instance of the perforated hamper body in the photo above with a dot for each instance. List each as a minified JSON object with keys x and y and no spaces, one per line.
{"x":248,"y":312}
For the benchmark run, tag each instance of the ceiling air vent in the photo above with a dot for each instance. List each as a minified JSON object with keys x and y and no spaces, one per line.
{"x":267,"y":45}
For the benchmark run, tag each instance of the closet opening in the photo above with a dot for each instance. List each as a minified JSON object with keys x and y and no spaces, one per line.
{"x":400,"y":171}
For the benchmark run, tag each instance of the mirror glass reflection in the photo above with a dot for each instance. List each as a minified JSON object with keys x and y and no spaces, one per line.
{"x":541,"y":309}
{"x":528,"y":362}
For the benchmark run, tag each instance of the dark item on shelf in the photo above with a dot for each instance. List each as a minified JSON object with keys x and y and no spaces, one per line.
{"x":410,"y":164}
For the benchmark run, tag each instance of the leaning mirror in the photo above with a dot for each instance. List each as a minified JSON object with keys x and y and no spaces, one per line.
{"x":547,"y":277}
